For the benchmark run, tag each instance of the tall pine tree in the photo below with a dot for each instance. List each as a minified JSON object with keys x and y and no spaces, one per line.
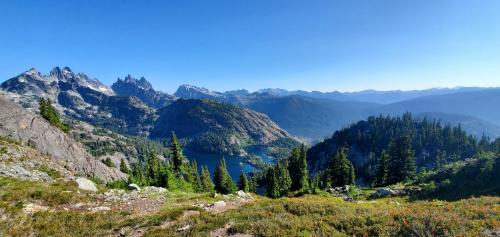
{"x":243,"y":182}
{"x":340,"y":170}
{"x":223,"y":182}
{"x":382,"y":169}
{"x":123,"y":167}
{"x":402,"y":161}
{"x":177,"y":156}
{"x":272,"y":187}
{"x":207,"y":184}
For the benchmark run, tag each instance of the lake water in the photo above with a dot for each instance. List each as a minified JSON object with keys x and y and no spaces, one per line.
{"x":234,"y":163}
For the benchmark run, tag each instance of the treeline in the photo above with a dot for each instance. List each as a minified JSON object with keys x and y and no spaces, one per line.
{"x":381,"y":146}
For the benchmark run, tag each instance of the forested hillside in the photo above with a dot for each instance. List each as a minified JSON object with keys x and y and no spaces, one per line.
{"x":431,"y":143}
{"x":213,"y":127}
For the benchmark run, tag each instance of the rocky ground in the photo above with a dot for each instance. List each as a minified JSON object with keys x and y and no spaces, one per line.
{"x":140,"y":205}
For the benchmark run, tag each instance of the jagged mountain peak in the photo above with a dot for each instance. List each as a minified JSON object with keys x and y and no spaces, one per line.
{"x":32,"y":71}
{"x":61,"y":73}
{"x":141,"y":82}
{"x":142,"y":89}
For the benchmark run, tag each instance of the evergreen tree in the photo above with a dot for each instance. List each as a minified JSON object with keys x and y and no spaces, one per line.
{"x":243,"y":182}
{"x":402,"y":161}
{"x":177,"y":156}
{"x":314,"y":184}
{"x":108,"y":162}
{"x":165,"y":175}
{"x":123,"y":167}
{"x":297,"y":168}
{"x":206,"y":182}
{"x":49,"y":113}
{"x":138,"y":176}
{"x":223,"y":182}
{"x":340,"y":170}
{"x":272,"y":187}
{"x":153,"y":169}
{"x":382,"y":169}
{"x":192,"y":176}
{"x":252,"y":187}
{"x":283,"y":178}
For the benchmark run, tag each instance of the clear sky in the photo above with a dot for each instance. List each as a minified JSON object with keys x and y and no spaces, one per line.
{"x":230,"y":44}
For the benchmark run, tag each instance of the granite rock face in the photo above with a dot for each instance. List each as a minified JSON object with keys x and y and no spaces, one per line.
{"x":21,"y":125}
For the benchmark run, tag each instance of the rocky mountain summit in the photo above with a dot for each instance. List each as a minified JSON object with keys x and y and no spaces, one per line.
{"x":142,"y":89}
{"x":81,"y":98}
{"x":28,"y":128}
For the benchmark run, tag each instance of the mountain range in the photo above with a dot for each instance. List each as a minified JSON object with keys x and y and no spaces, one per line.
{"x":132,"y":106}
{"x":316,"y":115}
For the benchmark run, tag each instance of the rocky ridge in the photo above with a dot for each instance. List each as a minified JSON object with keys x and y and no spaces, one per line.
{"x":28,"y":128}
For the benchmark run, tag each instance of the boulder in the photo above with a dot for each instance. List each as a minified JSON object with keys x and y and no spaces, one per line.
{"x":86,"y":184}
{"x":184,"y":228}
{"x":134,"y":187}
{"x":242,"y":194}
{"x":387,"y":192}
{"x":154,"y":190}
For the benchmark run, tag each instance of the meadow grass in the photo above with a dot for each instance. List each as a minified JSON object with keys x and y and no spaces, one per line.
{"x":310,"y":215}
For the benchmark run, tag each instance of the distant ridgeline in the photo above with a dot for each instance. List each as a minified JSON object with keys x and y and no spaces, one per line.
{"x":432,"y":143}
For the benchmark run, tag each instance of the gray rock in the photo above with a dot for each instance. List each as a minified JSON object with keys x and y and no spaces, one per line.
{"x":134,"y":187}
{"x":27,"y":127}
{"x":387,"y":192}
{"x":218,"y":204}
{"x":14,"y":170}
{"x":242,"y":194}
{"x":86,"y":184}
{"x":184,"y":228}
{"x":154,"y":190}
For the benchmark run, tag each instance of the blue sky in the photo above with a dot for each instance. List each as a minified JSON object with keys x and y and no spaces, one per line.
{"x":230,"y":44}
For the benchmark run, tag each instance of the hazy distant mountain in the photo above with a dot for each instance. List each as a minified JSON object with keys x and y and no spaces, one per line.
{"x":483,"y":104}
{"x":186,"y":91}
{"x":472,"y":125}
{"x":303,"y":116}
{"x":82,"y":98}
{"x":310,"y":117}
{"x":143,"y":90}
{"x":335,"y":95}
{"x":214,"y":127}
{"x":382,"y":97}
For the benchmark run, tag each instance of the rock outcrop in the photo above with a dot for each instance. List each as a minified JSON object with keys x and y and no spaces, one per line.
{"x":29,"y":128}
